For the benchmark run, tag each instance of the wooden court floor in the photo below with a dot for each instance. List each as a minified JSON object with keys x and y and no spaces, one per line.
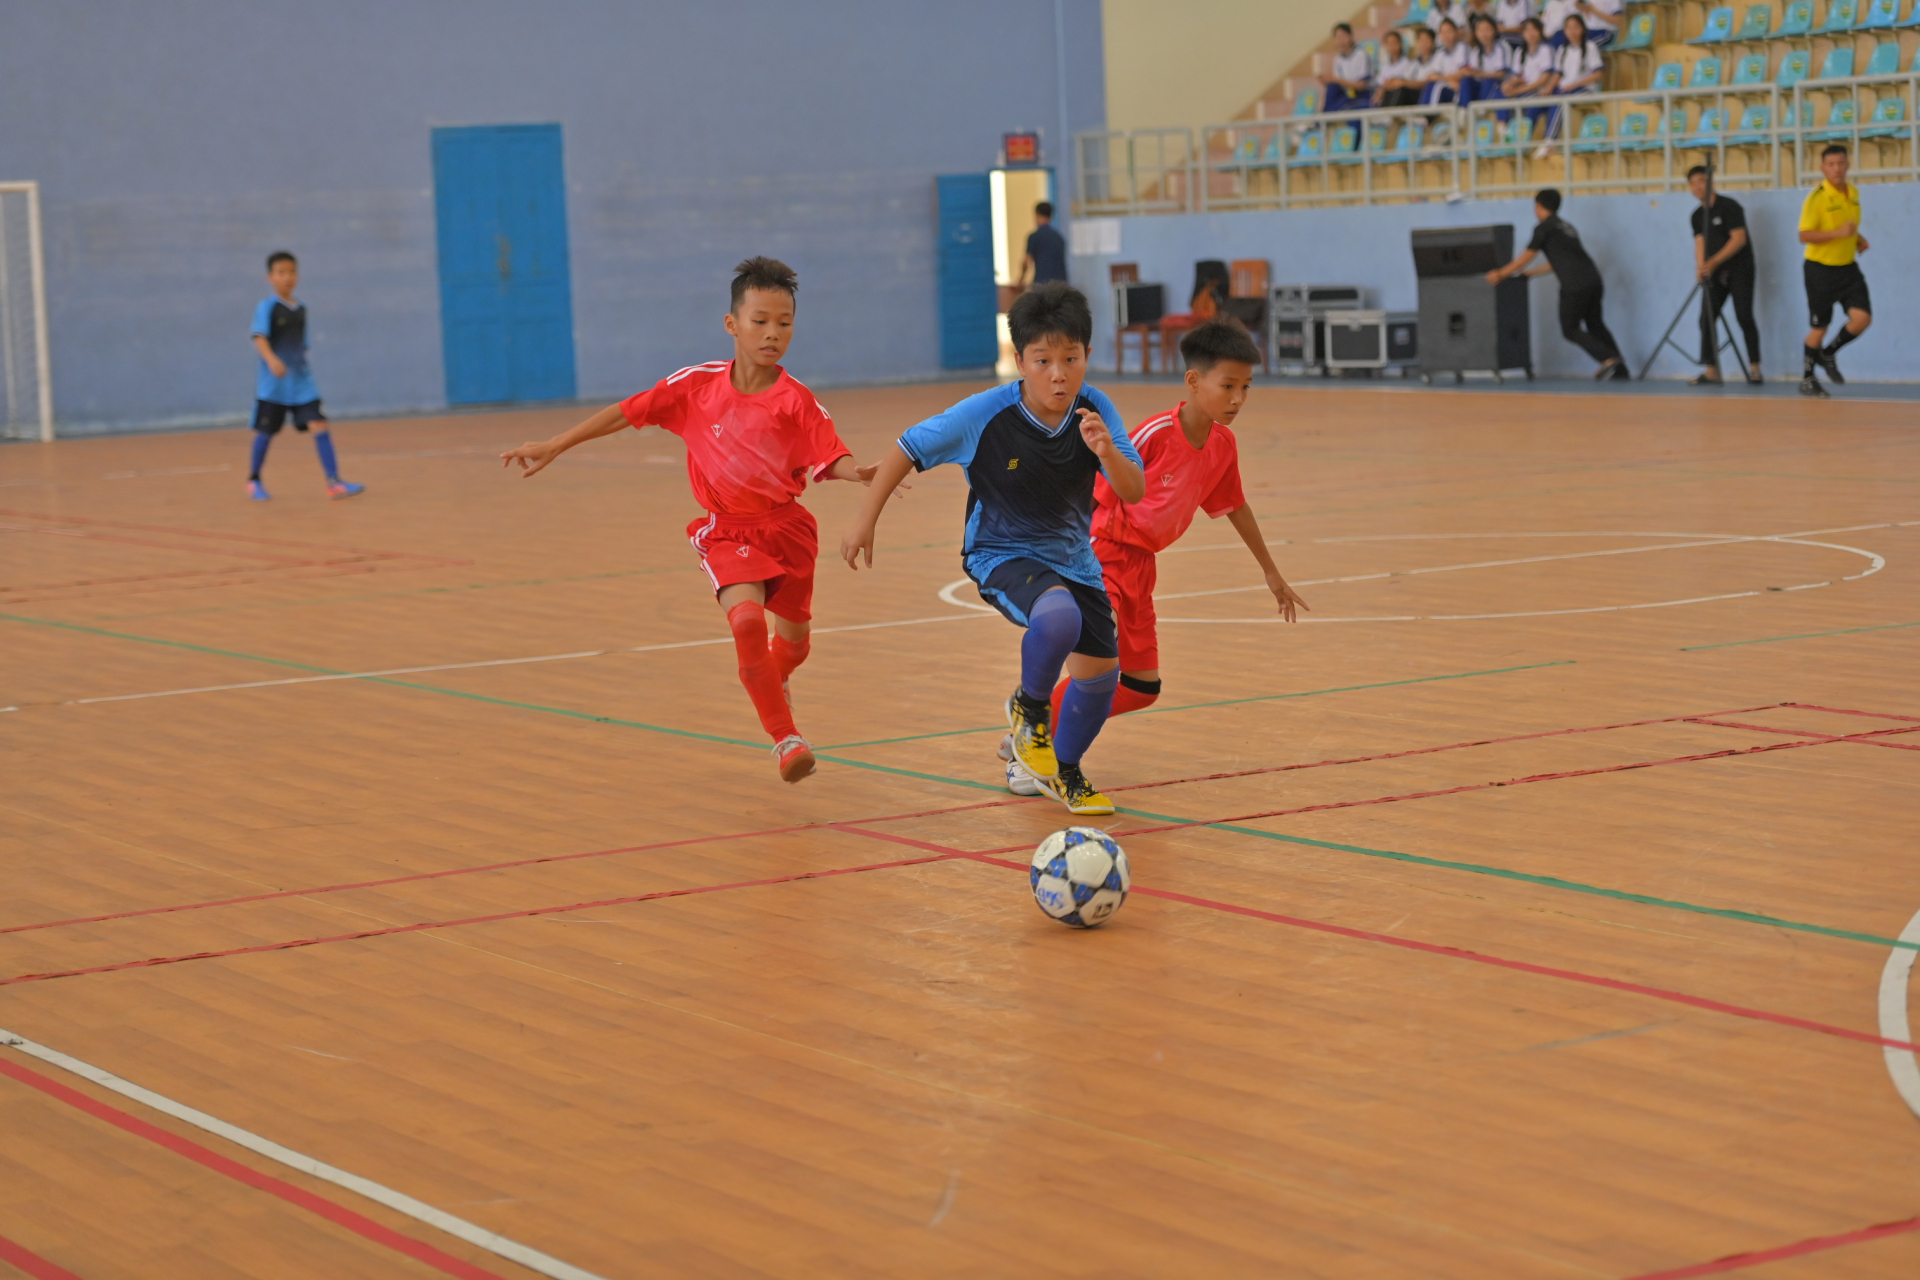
{"x":1530,"y":912}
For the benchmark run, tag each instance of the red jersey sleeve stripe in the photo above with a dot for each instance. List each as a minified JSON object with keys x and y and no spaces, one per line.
{"x":710,"y":367}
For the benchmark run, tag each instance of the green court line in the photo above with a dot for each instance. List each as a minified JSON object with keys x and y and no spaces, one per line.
{"x":1414,"y":859}
{"x":1811,"y":635}
{"x":1550,"y":882}
{"x":1224,"y":702}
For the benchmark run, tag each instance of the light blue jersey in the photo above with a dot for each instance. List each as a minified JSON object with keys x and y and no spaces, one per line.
{"x":285,"y":329}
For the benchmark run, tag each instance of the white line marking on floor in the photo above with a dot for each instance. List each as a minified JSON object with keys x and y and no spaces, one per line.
{"x":1894,"y":980}
{"x":492,"y":662}
{"x":460,"y":1228}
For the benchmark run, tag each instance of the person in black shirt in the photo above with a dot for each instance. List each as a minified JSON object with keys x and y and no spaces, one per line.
{"x":1581,"y":288}
{"x":1046,"y":250}
{"x":1723,"y":263}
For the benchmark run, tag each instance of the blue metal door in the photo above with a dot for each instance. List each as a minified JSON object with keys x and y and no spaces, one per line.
{"x":969,"y":300}
{"x":506,"y":299}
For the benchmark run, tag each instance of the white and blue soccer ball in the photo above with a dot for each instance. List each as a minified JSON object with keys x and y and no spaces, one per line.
{"x":1079,"y":876}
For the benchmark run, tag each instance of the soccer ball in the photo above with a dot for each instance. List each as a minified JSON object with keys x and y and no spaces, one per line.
{"x":1079,"y":876}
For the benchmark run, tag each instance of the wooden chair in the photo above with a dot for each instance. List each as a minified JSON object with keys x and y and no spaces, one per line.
{"x":1129,"y":273}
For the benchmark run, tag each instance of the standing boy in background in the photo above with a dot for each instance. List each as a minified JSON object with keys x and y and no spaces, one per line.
{"x":1581,"y":288}
{"x":1031,"y":450}
{"x":754,"y":438}
{"x":285,"y":388}
{"x":1192,"y":464}
{"x":1830,"y":228}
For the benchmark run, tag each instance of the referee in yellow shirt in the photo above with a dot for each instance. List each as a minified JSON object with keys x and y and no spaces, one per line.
{"x":1830,"y":228}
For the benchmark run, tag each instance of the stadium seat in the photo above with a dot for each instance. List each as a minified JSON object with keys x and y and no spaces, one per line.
{"x":1308,"y":103}
{"x":1673,"y":123}
{"x":1756,"y":128}
{"x":1719,"y":27}
{"x":1751,"y":69}
{"x":1798,"y":21}
{"x":1837,"y":65}
{"x":1706,"y":74}
{"x":1885,"y":60}
{"x":1888,"y":119}
{"x":1346,"y":141}
{"x":1416,"y":14}
{"x":1666,"y":76}
{"x":1639,"y":34}
{"x":1757,"y":27}
{"x":1913,"y":16}
{"x":1593,"y":133}
{"x":1307,"y":150}
{"x":1376,"y":144}
{"x":1840,"y":118}
{"x":1713,"y":122}
{"x":1633,"y":127}
{"x":1411,"y":138}
{"x":1793,"y":68}
{"x":1882,"y":15}
{"x":1841,"y":16}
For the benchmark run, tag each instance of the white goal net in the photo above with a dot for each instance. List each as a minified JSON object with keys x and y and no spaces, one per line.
{"x":26,"y":393}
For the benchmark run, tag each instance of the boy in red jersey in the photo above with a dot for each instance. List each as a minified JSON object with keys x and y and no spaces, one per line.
{"x":754,"y":437}
{"x":1192,"y":464}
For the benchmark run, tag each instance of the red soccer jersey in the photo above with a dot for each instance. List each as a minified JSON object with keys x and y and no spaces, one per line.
{"x":1180,"y":481}
{"x":746,"y":455}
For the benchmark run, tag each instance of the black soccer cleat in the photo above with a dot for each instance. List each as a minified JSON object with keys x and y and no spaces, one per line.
{"x":1810,"y":386}
{"x":1830,"y":361}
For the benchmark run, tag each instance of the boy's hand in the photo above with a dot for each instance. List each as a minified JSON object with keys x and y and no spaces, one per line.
{"x":532,"y":456}
{"x":1285,"y":595}
{"x":858,"y":541}
{"x":1093,"y":429}
{"x":865,"y":476}
{"x":276,"y":366}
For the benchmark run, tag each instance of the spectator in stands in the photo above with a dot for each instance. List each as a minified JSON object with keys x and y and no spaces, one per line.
{"x":1398,"y":84}
{"x":1580,"y":69}
{"x":1046,"y":250}
{"x":1581,"y":288}
{"x":1423,"y":55}
{"x":1455,"y":12}
{"x":1534,"y":75}
{"x":1601,"y":19}
{"x":1449,"y":64}
{"x":1509,"y":16}
{"x":1723,"y":263}
{"x":1489,"y":62}
{"x":1351,"y":84}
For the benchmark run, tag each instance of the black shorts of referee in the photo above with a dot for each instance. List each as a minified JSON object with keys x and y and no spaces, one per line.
{"x":1829,"y":286}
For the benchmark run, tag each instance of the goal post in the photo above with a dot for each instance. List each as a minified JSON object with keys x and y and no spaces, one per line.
{"x":26,"y":380}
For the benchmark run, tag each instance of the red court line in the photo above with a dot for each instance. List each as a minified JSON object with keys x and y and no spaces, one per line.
{"x":1817,"y":1244}
{"x":1519,"y":966}
{"x":32,"y":1263}
{"x":336,"y":1213}
{"x":423,"y":925}
{"x":1842,"y":711}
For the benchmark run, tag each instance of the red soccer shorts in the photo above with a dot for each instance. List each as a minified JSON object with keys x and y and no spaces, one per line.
{"x":1130,"y":572}
{"x":778,"y":549}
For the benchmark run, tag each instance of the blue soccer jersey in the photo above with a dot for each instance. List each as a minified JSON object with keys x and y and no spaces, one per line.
{"x":285,"y":329}
{"x":1032,"y":484}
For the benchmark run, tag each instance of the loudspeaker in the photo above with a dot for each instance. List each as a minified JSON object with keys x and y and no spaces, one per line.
{"x":1138,"y":304}
{"x":1466,"y":323}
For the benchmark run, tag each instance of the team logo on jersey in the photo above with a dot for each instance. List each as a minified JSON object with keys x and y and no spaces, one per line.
{"x":1167,"y":479}
{"x":743,"y":552}
{"x":1012,"y":463}
{"x":716,"y":431}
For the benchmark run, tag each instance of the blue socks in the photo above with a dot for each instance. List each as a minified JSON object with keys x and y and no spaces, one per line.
{"x":323,"y":442}
{"x":260,"y":442}
{"x":1053,"y":628}
{"x":1083,"y":710}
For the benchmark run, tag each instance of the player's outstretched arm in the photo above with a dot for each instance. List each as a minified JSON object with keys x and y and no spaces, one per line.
{"x":534,"y":455}
{"x":844,"y":468}
{"x":1123,"y":473}
{"x":1241,"y":518}
{"x":857,"y":544}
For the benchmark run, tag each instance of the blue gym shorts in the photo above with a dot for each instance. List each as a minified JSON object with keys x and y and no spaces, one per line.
{"x":270,"y":417}
{"x":1014,"y":585}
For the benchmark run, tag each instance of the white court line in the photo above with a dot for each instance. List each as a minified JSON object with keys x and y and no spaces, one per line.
{"x":1894,"y":981}
{"x":493,"y":662}
{"x":460,"y":1228}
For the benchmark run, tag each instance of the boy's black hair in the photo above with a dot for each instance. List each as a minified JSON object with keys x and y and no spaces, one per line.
{"x":1697,"y":171}
{"x":763,"y":273}
{"x":1217,"y":340}
{"x":281,"y":255}
{"x":1547,"y":198}
{"x":1422,"y":31}
{"x":1834,"y":148}
{"x":1343,"y":26}
{"x":1044,"y":209}
{"x":1054,"y":309}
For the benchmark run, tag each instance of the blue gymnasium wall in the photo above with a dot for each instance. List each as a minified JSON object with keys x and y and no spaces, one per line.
{"x":1643,"y":245}
{"x":176,"y":144}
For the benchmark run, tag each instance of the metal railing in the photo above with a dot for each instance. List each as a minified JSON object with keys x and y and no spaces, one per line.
{"x":1636,"y":140}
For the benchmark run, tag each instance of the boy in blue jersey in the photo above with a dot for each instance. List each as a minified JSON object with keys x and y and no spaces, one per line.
{"x":1031,"y":450}
{"x":285,"y":388}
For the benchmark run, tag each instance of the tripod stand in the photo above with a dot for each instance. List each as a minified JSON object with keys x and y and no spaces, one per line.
{"x":1666,"y":339}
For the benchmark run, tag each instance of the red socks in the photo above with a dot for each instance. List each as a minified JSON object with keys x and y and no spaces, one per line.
{"x":1125,"y":698}
{"x":759,"y":670}
{"x":788,"y":654}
